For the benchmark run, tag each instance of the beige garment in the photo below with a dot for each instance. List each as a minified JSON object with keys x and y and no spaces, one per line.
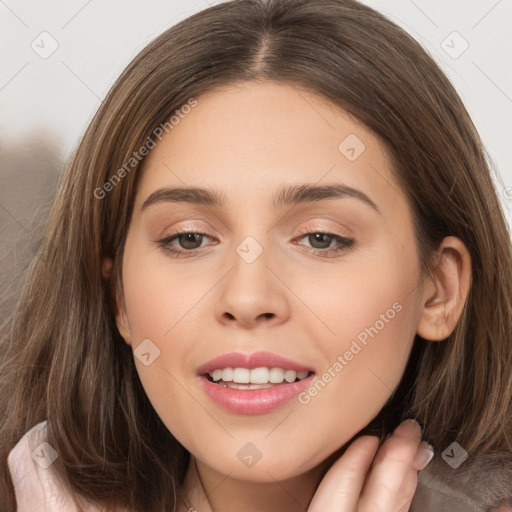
{"x":36,"y":485}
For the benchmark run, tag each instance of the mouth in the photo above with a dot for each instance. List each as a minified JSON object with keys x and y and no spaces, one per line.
{"x":253,"y":383}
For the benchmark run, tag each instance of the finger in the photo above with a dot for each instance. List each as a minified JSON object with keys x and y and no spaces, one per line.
{"x":424,"y":455}
{"x":392,"y":479}
{"x":340,"y":488}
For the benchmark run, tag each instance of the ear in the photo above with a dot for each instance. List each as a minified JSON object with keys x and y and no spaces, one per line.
{"x":108,"y":273}
{"x":445,"y":293}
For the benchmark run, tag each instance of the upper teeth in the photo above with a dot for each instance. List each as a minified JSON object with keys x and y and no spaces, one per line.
{"x":257,"y":375}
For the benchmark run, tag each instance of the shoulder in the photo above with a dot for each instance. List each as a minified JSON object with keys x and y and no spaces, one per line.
{"x":16,"y":457}
{"x":477,"y":485}
{"x":36,"y":484}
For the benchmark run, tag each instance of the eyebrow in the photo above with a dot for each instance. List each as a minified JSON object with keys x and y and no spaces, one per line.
{"x":290,"y":195}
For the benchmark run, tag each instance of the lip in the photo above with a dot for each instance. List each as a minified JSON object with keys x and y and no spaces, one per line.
{"x":254,"y":401}
{"x":250,"y":361}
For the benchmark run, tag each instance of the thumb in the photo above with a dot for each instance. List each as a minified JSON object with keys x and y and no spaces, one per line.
{"x":340,"y":489}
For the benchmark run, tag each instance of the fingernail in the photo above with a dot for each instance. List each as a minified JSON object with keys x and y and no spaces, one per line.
{"x":412,"y":420}
{"x":424,"y":455}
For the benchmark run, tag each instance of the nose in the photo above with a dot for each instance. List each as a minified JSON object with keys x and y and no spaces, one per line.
{"x":251,"y":294}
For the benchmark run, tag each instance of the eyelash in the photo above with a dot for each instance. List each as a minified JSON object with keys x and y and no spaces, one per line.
{"x":345,"y":244}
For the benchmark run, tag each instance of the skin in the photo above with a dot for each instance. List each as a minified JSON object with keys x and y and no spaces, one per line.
{"x":248,"y":140}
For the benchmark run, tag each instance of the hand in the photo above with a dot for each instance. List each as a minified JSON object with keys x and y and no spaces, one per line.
{"x":362,"y":481}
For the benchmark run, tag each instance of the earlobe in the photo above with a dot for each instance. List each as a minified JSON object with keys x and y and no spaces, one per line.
{"x":107,"y":267}
{"x":121,"y":317}
{"x":446,"y":292}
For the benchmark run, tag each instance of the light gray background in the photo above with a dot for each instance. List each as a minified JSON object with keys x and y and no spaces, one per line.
{"x":54,"y":98}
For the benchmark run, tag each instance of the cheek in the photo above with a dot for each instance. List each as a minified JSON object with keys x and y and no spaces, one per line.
{"x":159,"y":298}
{"x":162,"y":307}
{"x":371,"y":297}
{"x":364,"y":361}
{"x":364,"y":330}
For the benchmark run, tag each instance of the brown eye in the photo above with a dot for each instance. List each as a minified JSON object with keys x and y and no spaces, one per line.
{"x":188,"y":243}
{"x":189,"y":240}
{"x":320,"y":242}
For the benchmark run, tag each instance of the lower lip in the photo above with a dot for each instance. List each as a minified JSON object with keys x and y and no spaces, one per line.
{"x":254,"y":401}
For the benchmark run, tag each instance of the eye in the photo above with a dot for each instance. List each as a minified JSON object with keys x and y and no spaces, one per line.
{"x":189,"y":241}
{"x":321,"y":242}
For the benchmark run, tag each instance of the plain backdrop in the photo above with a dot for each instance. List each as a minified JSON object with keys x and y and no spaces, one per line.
{"x":59,"y":58}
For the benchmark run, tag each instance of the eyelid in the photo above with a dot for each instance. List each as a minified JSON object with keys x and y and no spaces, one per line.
{"x":316,"y":228}
{"x":321,"y":229}
{"x":324,"y":227}
{"x":189,"y":227}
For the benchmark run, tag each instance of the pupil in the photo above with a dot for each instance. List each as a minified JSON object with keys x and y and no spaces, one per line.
{"x":189,"y":238}
{"x":318,"y":238}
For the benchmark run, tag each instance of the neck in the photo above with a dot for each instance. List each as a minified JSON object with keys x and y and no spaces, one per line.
{"x":228,"y":494}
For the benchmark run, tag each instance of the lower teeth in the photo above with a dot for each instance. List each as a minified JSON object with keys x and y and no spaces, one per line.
{"x":235,"y":385}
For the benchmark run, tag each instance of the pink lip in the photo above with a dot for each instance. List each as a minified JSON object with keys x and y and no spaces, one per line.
{"x":250,"y":361}
{"x":253,"y":401}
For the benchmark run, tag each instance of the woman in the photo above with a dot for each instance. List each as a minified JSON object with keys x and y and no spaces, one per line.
{"x":117,"y":335}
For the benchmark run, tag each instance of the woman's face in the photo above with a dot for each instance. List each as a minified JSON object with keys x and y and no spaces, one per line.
{"x":342,"y":307}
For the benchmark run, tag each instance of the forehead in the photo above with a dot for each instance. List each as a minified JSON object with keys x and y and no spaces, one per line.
{"x":248,"y":139}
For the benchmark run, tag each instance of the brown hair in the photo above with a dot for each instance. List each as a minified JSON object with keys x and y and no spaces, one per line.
{"x":63,"y":358}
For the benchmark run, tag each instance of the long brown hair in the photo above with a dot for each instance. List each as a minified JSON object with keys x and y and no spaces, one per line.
{"x":63,"y":359}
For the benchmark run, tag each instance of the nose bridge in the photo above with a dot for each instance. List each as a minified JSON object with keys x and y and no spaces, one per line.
{"x":252,"y":238}
{"x":250,"y":249}
{"x":250,"y":274}
{"x":250,"y":291}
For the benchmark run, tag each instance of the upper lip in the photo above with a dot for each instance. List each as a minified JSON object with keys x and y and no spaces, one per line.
{"x":250,"y":361}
